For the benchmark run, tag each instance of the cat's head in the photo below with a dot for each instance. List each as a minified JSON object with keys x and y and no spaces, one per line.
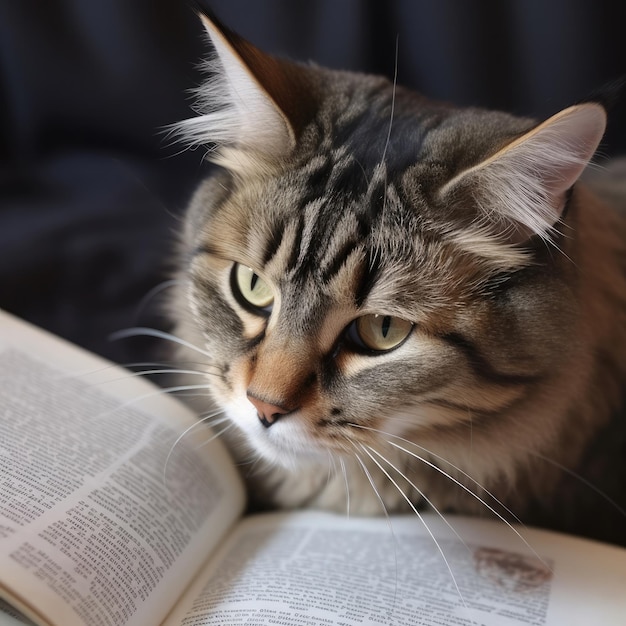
{"x":367,"y":260}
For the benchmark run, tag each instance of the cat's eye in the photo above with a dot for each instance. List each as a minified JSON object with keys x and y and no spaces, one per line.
{"x":380,"y":332}
{"x":251,"y":289}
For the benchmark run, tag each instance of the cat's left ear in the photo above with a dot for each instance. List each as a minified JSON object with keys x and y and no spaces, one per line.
{"x":253,"y":105}
{"x":523,"y":187}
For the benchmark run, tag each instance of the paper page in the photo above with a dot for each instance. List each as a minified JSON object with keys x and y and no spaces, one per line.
{"x":9,"y":616}
{"x":317,"y":569}
{"x":104,"y":516}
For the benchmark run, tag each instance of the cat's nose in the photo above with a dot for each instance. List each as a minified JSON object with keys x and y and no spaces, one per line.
{"x":268,"y":413}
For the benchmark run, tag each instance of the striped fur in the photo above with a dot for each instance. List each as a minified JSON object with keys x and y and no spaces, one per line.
{"x":461,"y":221}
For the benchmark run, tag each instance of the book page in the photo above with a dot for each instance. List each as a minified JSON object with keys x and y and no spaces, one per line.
{"x":315,"y":569}
{"x":105,"y":515}
{"x":9,"y":616}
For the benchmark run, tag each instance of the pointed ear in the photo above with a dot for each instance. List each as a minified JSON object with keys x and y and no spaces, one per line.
{"x":523,"y":187}
{"x":250,"y":104}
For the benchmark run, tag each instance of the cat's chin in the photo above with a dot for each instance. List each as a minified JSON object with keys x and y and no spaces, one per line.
{"x":289,"y":457}
{"x":284,"y":451}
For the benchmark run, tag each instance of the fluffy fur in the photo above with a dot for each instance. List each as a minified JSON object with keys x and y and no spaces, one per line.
{"x":351,"y":197}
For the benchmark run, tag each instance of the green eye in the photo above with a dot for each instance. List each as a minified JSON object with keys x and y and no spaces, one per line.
{"x":381,"y":332}
{"x":251,"y":288}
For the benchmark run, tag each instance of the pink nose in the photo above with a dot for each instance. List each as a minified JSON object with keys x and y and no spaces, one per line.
{"x":268,"y":413}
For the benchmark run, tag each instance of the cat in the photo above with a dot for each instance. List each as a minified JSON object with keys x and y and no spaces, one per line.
{"x":398,"y":303}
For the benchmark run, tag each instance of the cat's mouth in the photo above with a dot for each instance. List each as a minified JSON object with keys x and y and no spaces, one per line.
{"x":286,"y":442}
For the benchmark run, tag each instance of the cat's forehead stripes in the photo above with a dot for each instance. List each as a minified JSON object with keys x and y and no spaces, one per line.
{"x":339,"y":248}
{"x":332,"y":217}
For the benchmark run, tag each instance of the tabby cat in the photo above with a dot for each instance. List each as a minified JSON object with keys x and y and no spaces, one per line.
{"x":399,"y":303}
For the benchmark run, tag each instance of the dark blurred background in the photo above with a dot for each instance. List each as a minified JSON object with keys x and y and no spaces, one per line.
{"x":91,"y":192}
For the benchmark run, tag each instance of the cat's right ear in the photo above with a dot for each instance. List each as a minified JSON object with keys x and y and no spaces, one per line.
{"x":251,"y":108}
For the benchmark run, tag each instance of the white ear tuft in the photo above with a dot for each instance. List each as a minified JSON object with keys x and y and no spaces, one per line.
{"x":235,"y":110}
{"x":524,"y":185}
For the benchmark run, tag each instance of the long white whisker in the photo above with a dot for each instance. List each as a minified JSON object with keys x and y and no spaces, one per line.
{"x":166,"y":284}
{"x":444,"y":473}
{"x":580,"y":478}
{"x":255,"y":466}
{"x":474,"y":495}
{"x":158,"y":392}
{"x":421,"y":493}
{"x":332,"y":468}
{"x":374,"y":488}
{"x":459,"y":484}
{"x":125,"y":366}
{"x":153,"y":332}
{"x":345,"y":478}
{"x":163,"y":364}
{"x":183,"y":434}
{"x":384,"y":508}
{"x":164,"y":371}
{"x":172,"y":371}
{"x":176,"y":388}
{"x":419,"y":516}
{"x":218,"y":433}
{"x":205,"y":443}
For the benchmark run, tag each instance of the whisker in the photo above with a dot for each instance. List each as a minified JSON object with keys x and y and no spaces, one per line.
{"x":444,"y":473}
{"x":137,"y":180}
{"x":255,"y":466}
{"x":165,"y":364}
{"x":173,"y":371}
{"x":140,"y":331}
{"x":391,"y":530}
{"x":460,"y":484}
{"x":478,"y":498}
{"x":419,"y":491}
{"x":420,"y":517}
{"x":180,"y":388}
{"x":166,"y":284}
{"x":195,"y":394}
{"x":180,"y":437}
{"x":579,"y":478}
{"x":218,"y":433}
{"x":345,"y":479}
{"x":163,"y":371}
{"x":332,"y":467}
{"x":112,"y":366}
{"x":157,"y":392}
{"x":374,"y":488}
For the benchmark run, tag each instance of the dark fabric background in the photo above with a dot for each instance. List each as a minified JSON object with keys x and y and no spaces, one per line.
{"x":91,"y":191}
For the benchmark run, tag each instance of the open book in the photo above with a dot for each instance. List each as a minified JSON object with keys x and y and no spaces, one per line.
{"x":117,"y":508}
